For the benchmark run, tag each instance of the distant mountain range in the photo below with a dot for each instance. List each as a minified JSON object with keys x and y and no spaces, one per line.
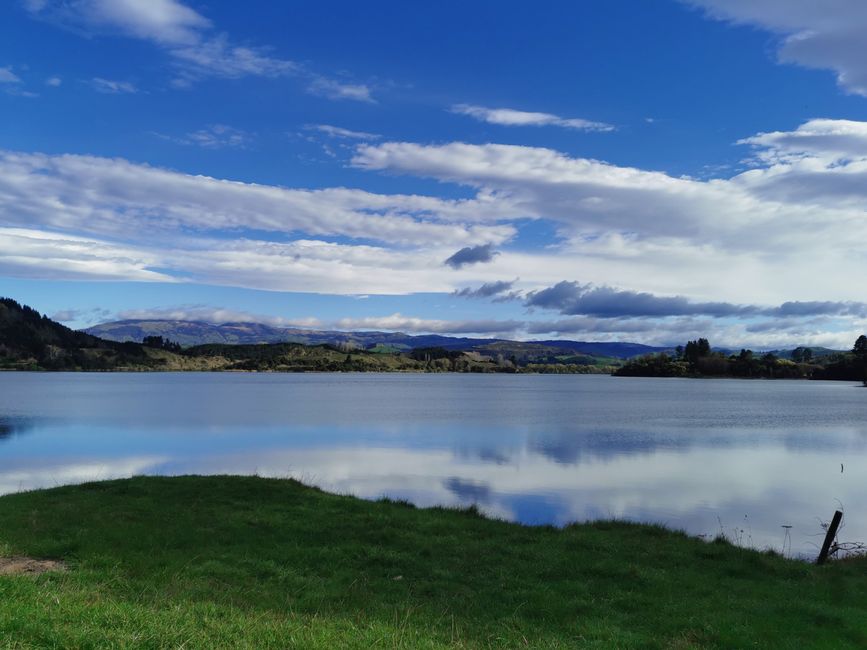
{"x":31,"y":341}
{"x":191,"y":333}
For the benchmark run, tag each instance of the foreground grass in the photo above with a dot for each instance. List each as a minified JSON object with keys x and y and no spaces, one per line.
{"x":211,"y":562}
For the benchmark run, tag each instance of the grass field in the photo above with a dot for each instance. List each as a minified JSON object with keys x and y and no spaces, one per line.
{"x":215,"y":562}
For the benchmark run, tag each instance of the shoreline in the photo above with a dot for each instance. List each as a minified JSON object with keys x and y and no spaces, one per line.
{"x":225,"y":561}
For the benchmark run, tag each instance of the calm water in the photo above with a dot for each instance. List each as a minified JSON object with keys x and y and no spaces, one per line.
{"x":745,"y":456}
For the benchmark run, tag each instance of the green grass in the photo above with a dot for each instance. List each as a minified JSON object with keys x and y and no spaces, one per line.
{"x":215,"y":562}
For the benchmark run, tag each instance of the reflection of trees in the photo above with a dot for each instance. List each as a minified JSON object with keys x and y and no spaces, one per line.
{"x":9,"y":428}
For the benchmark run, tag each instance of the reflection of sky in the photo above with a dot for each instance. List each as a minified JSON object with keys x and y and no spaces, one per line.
{"x":697,"y":455}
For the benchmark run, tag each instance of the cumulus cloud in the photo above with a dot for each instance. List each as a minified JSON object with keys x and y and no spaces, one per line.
{"x":54,"y":82}
{"x":471,"y":255}
{"x":574,"y":298}
{"x":822,"y":35}
{"x":487,"y":290}
{"x":827,"y":140}
{"x":512,"y":117}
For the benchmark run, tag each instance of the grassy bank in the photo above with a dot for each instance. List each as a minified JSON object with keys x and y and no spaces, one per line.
{"x":205,"y":562}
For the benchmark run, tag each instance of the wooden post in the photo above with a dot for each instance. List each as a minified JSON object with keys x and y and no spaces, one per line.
{"x":829,"y":537}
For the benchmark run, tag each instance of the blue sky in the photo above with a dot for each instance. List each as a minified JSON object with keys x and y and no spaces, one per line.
{"x":617,"y":170}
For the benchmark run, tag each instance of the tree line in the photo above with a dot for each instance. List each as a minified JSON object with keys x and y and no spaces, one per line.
{"x":698,"y":359}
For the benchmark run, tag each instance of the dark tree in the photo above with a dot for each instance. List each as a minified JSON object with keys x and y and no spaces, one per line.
{"x":160,"y":343}
{"x":802,"y":355}
{"x":695,"y":350}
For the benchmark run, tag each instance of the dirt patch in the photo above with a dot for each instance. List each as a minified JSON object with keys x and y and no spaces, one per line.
{"x":21,"y":565}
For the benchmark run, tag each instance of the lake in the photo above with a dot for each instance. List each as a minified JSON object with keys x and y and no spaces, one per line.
{"x":742,"y":457}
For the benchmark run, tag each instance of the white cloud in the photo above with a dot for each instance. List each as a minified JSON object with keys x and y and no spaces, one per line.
{"x":399,"y":323}
{"x":789,"y":229}
{"x":340,"y":132}
{"x":590,"y":198}
{"x":164,"y":21}
{"x":333,"y":89}
{"x":110,"y":87}
{"x":215,"y":315}
{"x":215,"y":136}
{"x":392,"y":323}
{"x":827,"y":140}
{"x":308,"y":266}
{"x":825,"y":35}
{"x":18,"y":92}
{"x":189,"y":38}
{"x":512,"y":117}
{"x":8,"y":77}
{"x":118,"y":198}
{"x":301,"y":266}
{"x":217,"y":57}
{"x":45,"y":255}
{"x":54,"y":82}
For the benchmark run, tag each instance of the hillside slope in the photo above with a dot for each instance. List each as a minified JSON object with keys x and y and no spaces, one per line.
{"x":29,"y":340}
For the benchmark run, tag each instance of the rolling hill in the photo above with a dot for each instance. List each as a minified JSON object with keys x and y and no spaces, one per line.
{"x":191,"y":333}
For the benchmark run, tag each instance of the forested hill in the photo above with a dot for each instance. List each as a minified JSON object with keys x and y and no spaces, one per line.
{"x":30,"y":340}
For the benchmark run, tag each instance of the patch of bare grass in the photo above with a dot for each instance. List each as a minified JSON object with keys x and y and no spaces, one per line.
{"x":22,"y":565}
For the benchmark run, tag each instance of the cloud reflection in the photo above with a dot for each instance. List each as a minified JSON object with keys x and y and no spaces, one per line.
{"x":690,"y":454}
{"x":699,"y":491}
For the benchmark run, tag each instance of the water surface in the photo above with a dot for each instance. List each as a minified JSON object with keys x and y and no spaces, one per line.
{"x":742,"y":457}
